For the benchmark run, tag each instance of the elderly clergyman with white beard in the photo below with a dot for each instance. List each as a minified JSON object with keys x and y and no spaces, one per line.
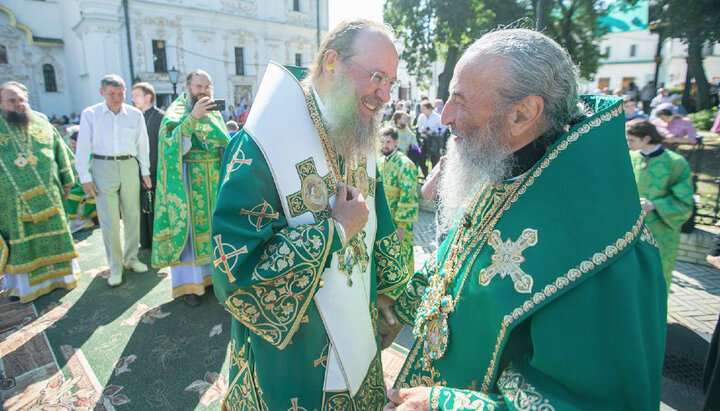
{"x":306,"y":256}
{"x":548,"y":292}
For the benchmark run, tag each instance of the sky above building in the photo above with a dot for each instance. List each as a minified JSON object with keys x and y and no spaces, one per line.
{"x":345,"y":9}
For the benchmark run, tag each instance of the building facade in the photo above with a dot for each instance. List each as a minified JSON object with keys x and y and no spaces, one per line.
{"x":61,"y":48}
{"x":629,"y":50}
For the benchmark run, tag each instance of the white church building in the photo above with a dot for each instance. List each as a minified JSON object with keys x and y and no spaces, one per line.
{"x":62,"y":48}
{"x":629,"y":50}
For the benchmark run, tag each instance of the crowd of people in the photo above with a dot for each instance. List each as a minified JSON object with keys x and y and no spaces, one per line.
{"x":301,"y":214}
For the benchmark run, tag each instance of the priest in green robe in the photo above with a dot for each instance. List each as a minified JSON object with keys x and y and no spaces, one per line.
{"x":37,"y":254}
{"x":400,"y":181}
{"x":307,"y":259}
{"x":665,"y":187}
{"x":191,"y":143}
{"x":548,"y":292}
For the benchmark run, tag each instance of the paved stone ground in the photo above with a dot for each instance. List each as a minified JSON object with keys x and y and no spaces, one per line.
{"x":695,"y":298}
{"x":694,"y":305}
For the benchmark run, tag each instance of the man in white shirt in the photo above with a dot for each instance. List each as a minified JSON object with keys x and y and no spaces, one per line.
{"x":431,"y":127}
{"x":114,"y":134}
{"x":429,"y":120}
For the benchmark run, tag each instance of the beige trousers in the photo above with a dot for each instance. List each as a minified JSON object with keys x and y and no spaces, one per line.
{"x":118,"y":183}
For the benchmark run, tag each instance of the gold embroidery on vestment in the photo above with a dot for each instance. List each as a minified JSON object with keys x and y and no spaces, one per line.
{"x":507,"y":259}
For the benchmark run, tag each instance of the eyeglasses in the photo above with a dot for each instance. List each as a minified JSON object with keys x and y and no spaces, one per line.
{"x":378,"y":79}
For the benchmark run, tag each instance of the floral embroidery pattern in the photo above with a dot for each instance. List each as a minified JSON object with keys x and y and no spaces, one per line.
{"x":391,"y":272}
{"x":407,"y":304}
{"x":289,"y":272}
{"x":242,"y":394}
{"x":520,"y":393}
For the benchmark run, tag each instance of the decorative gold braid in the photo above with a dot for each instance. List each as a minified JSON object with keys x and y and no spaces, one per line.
{"x":330,"y":155}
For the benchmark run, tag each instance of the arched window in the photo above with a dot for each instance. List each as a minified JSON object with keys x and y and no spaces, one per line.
{"x":49,"y":75}
{"x":3,"y":54}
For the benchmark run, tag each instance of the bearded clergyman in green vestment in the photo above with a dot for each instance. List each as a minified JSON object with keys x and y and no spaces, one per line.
{"x":191,"y":142}
{"x":548,"y":292}
{"x":307,"y":259}
{"x":400,"y":181}
{"x":37,"y":253}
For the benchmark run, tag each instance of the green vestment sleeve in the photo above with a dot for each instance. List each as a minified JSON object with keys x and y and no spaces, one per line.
{"x":266,"y":272}
{"x":390,"y":270}
{"x":675,"y":207}
{"x":64,"y":158}
{"x":407,"y":303}
{"x":407,"y":206}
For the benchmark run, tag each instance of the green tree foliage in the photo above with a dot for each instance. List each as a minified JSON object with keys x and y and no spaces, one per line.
{"x":696,"y":23}
{"x":432,"y":29}
{"x":443,"y":28}
{"x":574,"y":24}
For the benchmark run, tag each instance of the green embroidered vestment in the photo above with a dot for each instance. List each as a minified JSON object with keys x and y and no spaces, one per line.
{"x":36,"y":240}
{"x":178,"y":209}
{"x":400,"y":180}
{"x":559,"y":300}
{"x":667,"y":182}
{"x":266,"y":274}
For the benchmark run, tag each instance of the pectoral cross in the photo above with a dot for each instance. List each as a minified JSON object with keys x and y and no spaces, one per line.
{"x":507,"y":259}
{"x":314,"y":193}
{"x":225,"y":262}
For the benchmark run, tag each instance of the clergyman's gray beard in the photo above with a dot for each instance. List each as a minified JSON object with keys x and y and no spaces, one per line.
{"x":477,"y":160}
{"x":350,"y":136}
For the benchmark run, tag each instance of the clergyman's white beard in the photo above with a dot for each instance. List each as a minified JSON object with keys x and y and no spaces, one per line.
{"x":477,"y":160}
{"x":350,"y":136}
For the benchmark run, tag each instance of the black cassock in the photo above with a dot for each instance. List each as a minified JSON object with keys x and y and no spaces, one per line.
{"x":153,"y":118}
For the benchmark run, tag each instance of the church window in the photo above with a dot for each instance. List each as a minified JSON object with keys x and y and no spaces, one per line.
{"x":3,"y":54}
{"x":633,"y":50}
{"x":296,"y":5}
{"x":607,"y":52}
{"x":239,"y":61}
{"x":298,"y":59}
{"x":49,"y":76}
{"x":159,"y":57}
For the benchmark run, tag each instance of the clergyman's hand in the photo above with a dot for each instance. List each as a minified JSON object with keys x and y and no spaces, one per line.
{"x":202,"y":107}
{"x":351,"y":210}
{"x":408,"y":399}
{"x":90,"y":189}
{"x":388,"y":326}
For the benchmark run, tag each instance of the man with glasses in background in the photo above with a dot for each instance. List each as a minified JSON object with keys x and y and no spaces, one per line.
{"x":305,"y":246}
